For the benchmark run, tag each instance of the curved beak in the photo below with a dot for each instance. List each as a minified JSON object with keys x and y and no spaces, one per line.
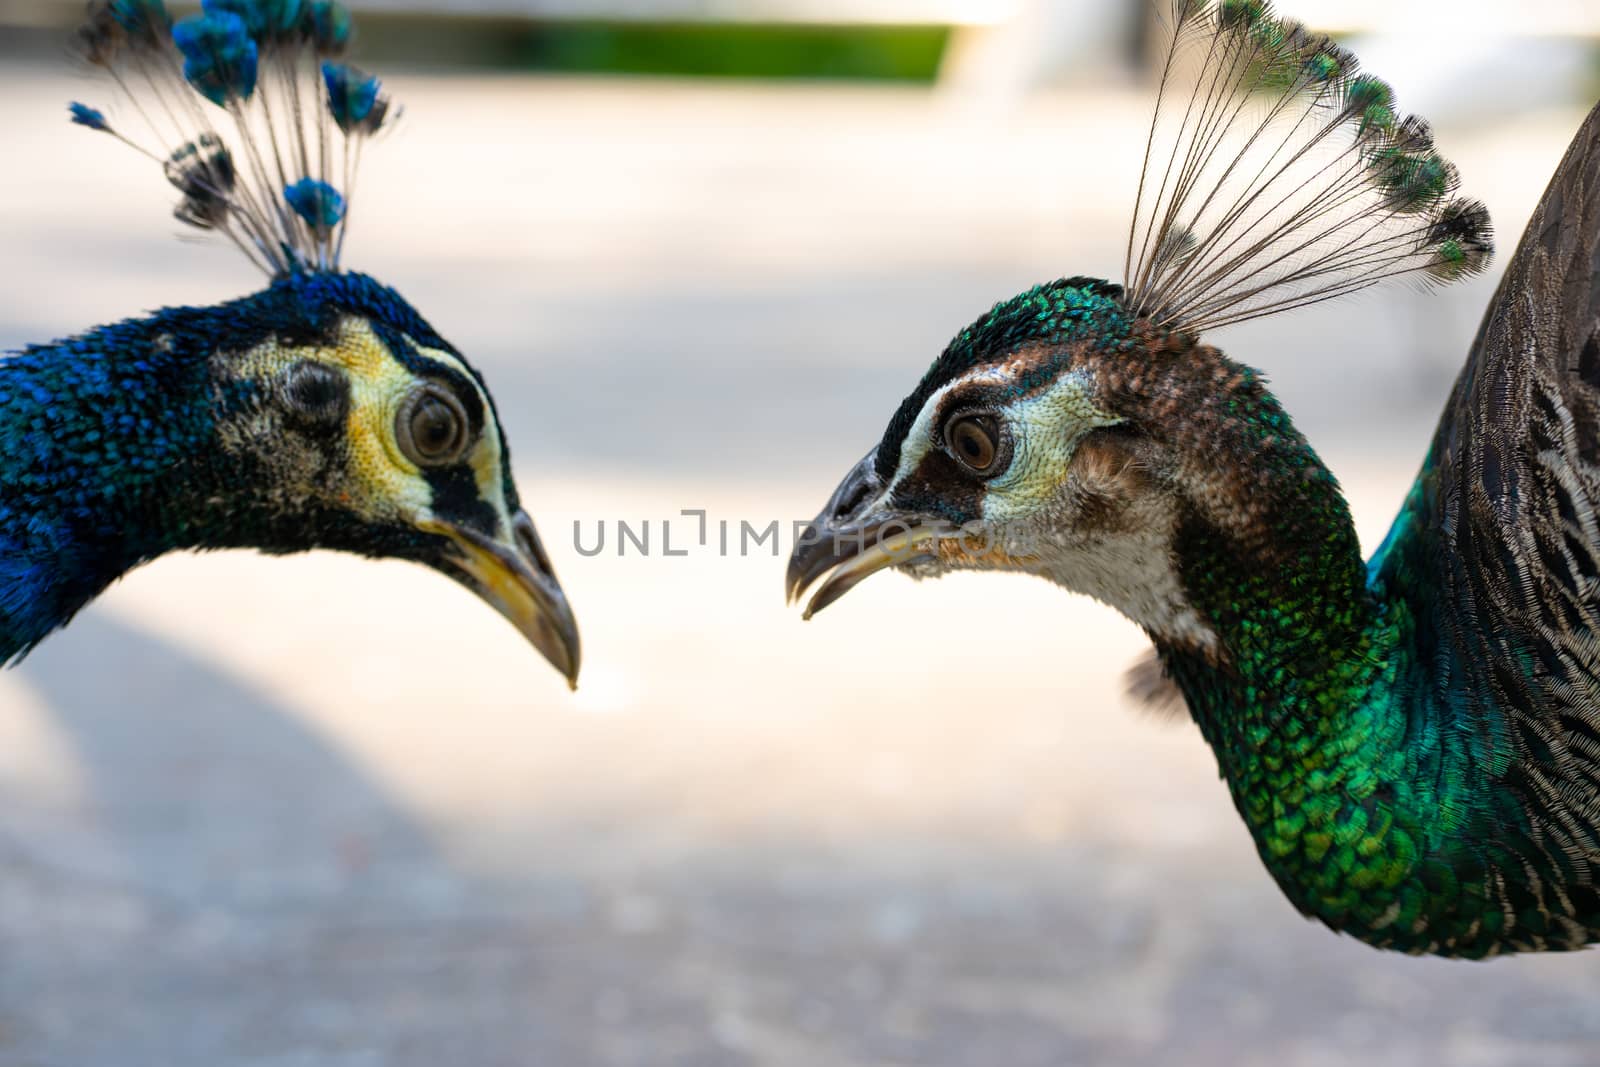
{"x":515,"y":577}
{"x":855,"y":536}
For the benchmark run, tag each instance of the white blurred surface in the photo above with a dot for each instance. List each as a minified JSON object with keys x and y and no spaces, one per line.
{"x":323,"y":811}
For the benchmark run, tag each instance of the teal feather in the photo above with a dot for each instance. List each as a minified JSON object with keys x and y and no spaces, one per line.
{"x":84,"y":115}
{"x":219,"y":56}
{"x":317,"y":203}
{"x":354,"y":100}
{"x":330,"y":26}
{"x":272,"y":193}
{"x":146,"y":22}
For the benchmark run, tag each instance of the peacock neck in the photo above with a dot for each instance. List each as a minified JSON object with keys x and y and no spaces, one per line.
{"x":105,"y":446}
{"x":1317,"y":701}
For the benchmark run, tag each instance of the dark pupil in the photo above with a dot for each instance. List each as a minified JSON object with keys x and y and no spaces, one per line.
{"x":433,"y":428}
{"x":975,"y":444}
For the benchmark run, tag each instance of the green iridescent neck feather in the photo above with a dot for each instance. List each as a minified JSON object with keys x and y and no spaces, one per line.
{"x":1379,"y":784}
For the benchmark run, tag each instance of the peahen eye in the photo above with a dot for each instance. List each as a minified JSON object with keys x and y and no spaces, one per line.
{"x":432,"y":427}
{"x":975,"y":442}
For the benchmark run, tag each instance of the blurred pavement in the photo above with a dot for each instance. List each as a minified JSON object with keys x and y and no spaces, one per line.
{"x":325,"y":812}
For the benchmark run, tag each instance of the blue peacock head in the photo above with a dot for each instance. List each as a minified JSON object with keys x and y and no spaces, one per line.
{"x":332,"y":415}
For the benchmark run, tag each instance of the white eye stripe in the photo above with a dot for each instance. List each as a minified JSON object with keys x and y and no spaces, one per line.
{"x":920,"y":439}
{"x":452,"y":363}
{"x":1065,"y":402}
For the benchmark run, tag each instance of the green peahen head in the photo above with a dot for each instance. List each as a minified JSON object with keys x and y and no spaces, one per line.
{"x":1082,"y":432}
{"x":321,"y":412}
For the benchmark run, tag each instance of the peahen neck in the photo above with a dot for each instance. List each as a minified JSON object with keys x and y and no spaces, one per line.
{"x":1367,"y":799}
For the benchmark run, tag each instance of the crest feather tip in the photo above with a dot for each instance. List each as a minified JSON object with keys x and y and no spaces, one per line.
{"x":1286,"y":177}
{"x":297,"y":121}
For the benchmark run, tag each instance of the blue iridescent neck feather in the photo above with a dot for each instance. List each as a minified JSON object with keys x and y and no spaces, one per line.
{"x":110,"y":452}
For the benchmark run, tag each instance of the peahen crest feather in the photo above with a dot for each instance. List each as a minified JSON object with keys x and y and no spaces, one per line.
{"x":1283,"y":177}
{"x":279,"y":184}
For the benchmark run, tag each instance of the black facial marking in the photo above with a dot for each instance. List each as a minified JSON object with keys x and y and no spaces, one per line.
{"x":455,"y":497}
{"x":316,"y":396}
{"x":940,"y":486}
{"x":479,"y":416}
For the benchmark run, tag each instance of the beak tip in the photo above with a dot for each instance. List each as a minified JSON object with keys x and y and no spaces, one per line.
{"x":567,"y":661}
{"x":513,"y":574}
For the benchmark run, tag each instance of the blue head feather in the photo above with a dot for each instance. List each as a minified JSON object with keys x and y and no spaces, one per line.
{"x":282,"y":17}
{"x":352,"y":98}
{"x":330,"y":25}
{"x":266,"y":20}
{"x":219,"y":55}
{"x":221,"y":51}
{"x":84,"y":115}
{"x":252,"y":14}
{"x":144,"y":21}
{"x":317,"y":202}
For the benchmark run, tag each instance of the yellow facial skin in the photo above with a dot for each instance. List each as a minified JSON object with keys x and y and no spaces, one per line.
{"x":367,"y":473}
{"x":383,"y":482}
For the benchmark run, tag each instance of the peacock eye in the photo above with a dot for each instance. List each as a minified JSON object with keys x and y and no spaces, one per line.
{"x":975,"y":442}
{"x":432,"y":427}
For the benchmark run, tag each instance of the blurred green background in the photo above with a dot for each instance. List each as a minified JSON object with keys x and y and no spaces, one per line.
{"x":892,"y":53}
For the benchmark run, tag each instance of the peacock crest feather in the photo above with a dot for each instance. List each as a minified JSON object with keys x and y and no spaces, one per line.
{"x":1278,"y":174}
{"x":322,"y":412}
{"x":270,"y":73}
